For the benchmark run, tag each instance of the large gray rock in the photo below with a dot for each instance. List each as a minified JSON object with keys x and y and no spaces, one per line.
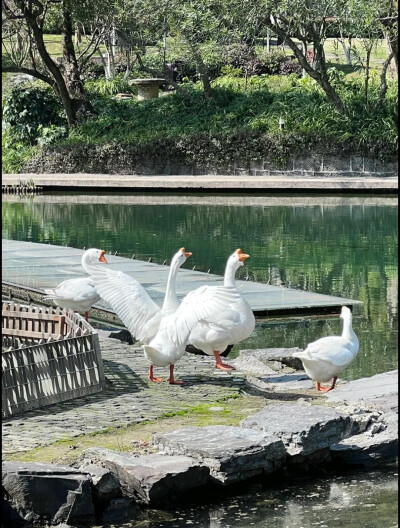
{"x":149,"y":479}
{"x":368,"y":449}
{"x":105,"y":485}
{"x":269,"y":356}
{"x":231,"y":453}
{"x":47,"y":492}
{"x":371,"y":390}
{"x":304,"y":429}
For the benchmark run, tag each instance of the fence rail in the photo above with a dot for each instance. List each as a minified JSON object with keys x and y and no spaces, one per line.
{"x":49,"y":356}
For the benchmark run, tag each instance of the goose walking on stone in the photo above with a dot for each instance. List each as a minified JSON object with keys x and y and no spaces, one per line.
{"x":326,"y":358}
{"x":78,"y":294}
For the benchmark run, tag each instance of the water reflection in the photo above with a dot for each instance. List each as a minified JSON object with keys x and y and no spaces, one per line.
{"x":365,"y":500}
{"x":339,"y":245}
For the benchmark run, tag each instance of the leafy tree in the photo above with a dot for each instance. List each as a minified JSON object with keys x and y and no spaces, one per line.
{"x":24,"y":20}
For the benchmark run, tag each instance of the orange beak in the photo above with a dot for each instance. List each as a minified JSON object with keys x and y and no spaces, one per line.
{"x":242,"y":256}
{"x":187,"y":253}
{"x":102,"y":258}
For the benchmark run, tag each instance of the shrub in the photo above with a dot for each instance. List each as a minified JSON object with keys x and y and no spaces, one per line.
{"x":290,"y":67}
{"x":28,"y":110}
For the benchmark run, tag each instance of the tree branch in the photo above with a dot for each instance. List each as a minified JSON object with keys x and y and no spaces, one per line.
{"x":28,"y":71}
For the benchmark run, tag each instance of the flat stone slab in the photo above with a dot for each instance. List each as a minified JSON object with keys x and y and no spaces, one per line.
{"x":47,"y":492}
{"x":304,"y":429}
{"x":232,"y":454}
{"x":149,"y":479}
{"x":280,"y":383}
{"x":370,"y":390}
{"x":368,"y":449}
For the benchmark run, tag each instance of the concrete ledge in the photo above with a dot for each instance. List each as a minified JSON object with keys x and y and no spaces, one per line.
{"x":277,"y":182}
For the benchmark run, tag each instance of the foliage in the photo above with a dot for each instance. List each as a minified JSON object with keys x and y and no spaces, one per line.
{"x":32,"y":112}
{"x":15,"y":154}
{"x":102,"y":87}
{"x":241,"y":122}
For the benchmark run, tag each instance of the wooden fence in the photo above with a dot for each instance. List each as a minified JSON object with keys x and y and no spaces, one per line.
{"x":48,"y":356}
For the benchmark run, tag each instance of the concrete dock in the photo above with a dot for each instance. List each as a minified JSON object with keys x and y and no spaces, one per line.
{"x":32,"y":267}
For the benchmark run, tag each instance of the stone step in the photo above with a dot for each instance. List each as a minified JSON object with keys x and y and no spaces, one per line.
{"x":232,"y":454}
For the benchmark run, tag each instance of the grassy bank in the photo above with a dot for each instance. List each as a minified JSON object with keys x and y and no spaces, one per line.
{"x":242,"y":120}
{"x":135,"y":438}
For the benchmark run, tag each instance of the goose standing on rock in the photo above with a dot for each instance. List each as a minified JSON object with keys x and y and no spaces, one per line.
{"x":324,"y":359}
{"x":78,"y":294}
{"x":234,"y":323}
{"x":163,"y":331}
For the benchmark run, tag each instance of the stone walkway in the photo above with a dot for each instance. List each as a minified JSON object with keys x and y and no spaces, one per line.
{"x":273,"y":182}
{"x":128,"y":399}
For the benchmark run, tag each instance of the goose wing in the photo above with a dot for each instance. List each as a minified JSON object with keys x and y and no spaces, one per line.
{"x":202,"y":303}
{"x":130,"y":301}
{"x":77,"y":290}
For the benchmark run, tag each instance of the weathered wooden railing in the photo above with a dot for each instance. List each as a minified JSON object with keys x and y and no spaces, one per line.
{"x":49,"y":356}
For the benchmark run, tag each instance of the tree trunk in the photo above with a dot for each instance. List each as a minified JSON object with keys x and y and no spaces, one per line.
{"x":393,"y":45}
{"x":346,"y":49}
{"x":72,"y":107}
{"x":202,"y":69}
{"x":72,"y":73}
{"x":320,"y":76}
{"x":54,"y":70}
{"x":384,"y":87}
{"x":366,"y":81}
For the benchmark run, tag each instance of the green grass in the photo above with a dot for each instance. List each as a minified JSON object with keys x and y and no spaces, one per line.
{"x":238,"y":107}
{"x":135,"y":438}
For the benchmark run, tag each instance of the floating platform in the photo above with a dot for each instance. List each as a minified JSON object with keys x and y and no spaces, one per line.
{"x":31,"y":267}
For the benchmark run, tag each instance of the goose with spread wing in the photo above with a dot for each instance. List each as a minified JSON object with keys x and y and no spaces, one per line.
{"x":130,"y":301}
{"x":326,"y":358}
{"x":231,"y":325}
{"x":78,"y":294}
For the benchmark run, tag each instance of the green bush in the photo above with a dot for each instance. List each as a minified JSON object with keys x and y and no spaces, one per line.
{"x":28,"y":110}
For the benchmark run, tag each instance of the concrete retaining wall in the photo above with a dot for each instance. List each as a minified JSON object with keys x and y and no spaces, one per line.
{"x":111,"y":159}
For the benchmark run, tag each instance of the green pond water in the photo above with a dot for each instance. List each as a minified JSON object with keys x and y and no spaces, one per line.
{"x":339,"y":245}
{"x":351,"y":500}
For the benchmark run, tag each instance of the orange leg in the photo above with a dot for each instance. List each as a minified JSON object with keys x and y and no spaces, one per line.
{"x":219,"y":364}
{"x":326,"y":389}
{"x":151,"y":375}
{"x":172,"y":380}
{"x":86,"y":316}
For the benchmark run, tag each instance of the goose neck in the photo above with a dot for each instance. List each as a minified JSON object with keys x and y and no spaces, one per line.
{"x":86,"y":262}
{"x":229,"y":276}
{"x":170,"y":299}
{"x":348,"y":332}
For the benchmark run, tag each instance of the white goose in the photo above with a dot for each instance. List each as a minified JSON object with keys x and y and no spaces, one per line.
{"x":163,"y":331}
{"x":233,"y":324}
{"x":325,"y":358}
{"x":78,"y":294}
